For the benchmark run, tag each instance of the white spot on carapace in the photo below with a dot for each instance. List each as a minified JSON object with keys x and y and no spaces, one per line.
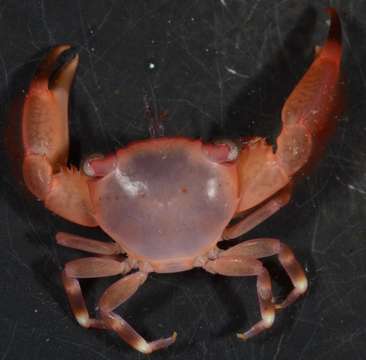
{"x":129,"y":186}
{"x":212,"y":188}
{"x":234,"y":151}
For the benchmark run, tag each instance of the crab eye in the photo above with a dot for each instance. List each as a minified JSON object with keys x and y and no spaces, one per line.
{"x":86,"y":164}
{"x":233,"y":147}
{"x":221,"y":151}
{"x":97,"y":165}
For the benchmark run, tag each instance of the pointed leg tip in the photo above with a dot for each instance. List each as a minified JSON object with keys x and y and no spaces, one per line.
{"x":242,"y":336}
{"x":75,"y":59}
{"x":148,"y":348}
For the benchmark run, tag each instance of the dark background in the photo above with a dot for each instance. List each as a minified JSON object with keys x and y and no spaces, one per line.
{"x":220,"y":68}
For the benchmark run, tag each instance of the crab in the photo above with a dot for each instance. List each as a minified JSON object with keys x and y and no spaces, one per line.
{"x":166,"y":202}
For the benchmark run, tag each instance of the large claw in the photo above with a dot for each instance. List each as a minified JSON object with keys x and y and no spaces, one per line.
{"x":308,"y":118}
{"x":46,"y":142}
{"x":311,"y":112}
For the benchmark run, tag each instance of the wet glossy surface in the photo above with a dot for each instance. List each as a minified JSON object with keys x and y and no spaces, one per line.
{"x":220,"y":68}
{"x":166,"y":199}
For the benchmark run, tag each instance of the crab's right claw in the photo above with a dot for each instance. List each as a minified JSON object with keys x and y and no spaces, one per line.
{"x":309,"y":116}
{"x":312,"y":110}
{"x":45,"y":138}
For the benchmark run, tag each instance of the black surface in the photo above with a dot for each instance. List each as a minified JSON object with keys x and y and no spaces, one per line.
{"x":221,"y":68}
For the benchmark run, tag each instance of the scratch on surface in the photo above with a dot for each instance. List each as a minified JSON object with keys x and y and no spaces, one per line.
{"x":221,"y":93}
{"x":344,"y":340}
{"x":32,"y":37}
{"x":310,"y":339}
{"x":11,"y":248}
{"x":190,"y":103}
{"x":351,"y":186}
{"x":2,"y":9}
{"x":6,"y":78}
{"x":281,"y":39}
{"x":30,"y":225}
{"x":279,"y":345}
{"x":263,"y":46}
{"x":316,"y":193}
{"x":234,"y":72}
{"x":43,"y":11}
{"x":82,"y":346}
{"x":347,"y":228}
{"x":351,"y":164}
{"x":197,"y":60}
{"x":10,"y":343}
{"x":354,"y":188}
{"x":88,"y":50}
{"x":96,"y":110}
{"x":356,"y":60}
{"x":202,"y":317}
{"x":300,"y":312}
{"x":251,"y":12}
{"x":314,"y":237}
{"x":105,"y":17}
{"x":326,"y":298}
{"x":339,"y":300}
{"x":114,"y":44}
{"x":355,"y":278}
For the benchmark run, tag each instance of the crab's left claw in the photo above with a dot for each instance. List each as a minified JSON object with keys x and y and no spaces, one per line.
{"x":45,"y":138}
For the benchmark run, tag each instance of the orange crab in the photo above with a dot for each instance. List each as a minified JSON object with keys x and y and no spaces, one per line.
{"x":167,"y":202}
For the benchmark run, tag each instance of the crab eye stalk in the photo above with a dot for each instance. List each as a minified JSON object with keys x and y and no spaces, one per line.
{"x":221,"y":151}
{"x":98,"y":165}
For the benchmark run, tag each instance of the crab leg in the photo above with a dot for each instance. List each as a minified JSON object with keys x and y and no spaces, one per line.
{"x":237,"y":265}
{"x":242,"y":260}
{"x":89,"y":245}
{"x":77,"y":303}
{"x":114,"y":296}
{"x":260,"y":248}
{"x":46,"y":142}
{"x":308,"y":117}
{"x":260,"y":214}
{"x":88,"y":268}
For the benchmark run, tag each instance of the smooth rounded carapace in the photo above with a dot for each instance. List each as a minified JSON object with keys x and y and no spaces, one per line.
{"x":165,"y":199}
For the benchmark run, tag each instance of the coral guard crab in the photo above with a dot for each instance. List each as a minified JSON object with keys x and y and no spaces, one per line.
{"x":167,"y":202}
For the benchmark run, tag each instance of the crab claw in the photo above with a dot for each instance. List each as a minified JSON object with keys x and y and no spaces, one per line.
{"x":312,"y":110}
{"x":45,"y":138}
{"x":309,"y":117}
